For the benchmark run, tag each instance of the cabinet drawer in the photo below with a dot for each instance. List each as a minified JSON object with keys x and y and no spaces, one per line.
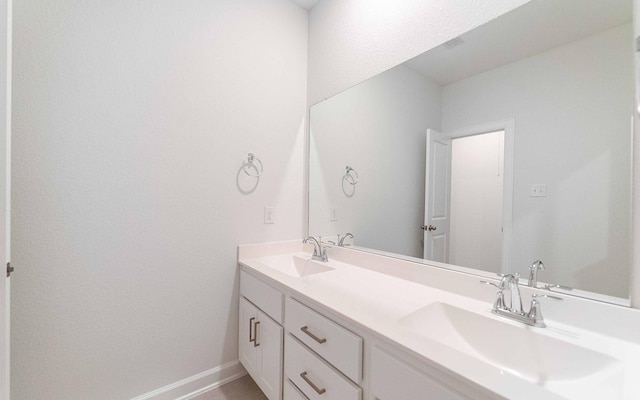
{"x":337,"y":345}
{"x":292,"y":393}
{"x":262,"y":295}
{"x":314,"y":377}
{"x":392,"y":379}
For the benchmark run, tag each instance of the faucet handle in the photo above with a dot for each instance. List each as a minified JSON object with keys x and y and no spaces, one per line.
{"x":504,"y":279}
{"x":490,"y":283}
{"x":535,"y":313}
{"x":535,"y":295}
{"x":499,"y":303}
{"x":550,"y":286}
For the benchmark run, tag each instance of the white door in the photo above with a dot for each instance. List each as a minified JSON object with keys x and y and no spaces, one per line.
{"x":437,"y":193}
{"x":269,"y":337}
{"x":5,"y":189}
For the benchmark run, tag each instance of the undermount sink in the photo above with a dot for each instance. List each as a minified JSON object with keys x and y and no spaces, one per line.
{"x":294,"y":265}
{"x":520,"y":350}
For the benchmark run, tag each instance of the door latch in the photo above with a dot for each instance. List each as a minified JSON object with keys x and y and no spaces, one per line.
{"x":9,"y":269}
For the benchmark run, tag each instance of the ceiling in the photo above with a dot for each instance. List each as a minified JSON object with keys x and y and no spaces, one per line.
{"x":528,"y":30}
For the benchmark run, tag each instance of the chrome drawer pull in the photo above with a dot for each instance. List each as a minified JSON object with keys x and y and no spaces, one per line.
{"x":251,"y":338}
{"x":303,"y":375}
{"x":305,"y":329}
{"x":255,"y":332}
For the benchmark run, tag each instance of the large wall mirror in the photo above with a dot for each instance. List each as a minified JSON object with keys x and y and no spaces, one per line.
{"x":508,"y":144}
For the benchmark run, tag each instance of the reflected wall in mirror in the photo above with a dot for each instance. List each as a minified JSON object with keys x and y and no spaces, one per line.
{"x":533,"y":160}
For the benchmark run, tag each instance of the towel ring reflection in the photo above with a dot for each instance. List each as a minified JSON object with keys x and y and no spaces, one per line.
{"x":252,"y":163}
{"x":351,"y":176}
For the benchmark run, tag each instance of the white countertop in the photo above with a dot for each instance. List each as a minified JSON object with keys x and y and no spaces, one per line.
{"x":377,"y":300}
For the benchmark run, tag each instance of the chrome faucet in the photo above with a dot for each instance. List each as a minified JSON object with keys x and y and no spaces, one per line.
{"x":513,"y":310}
{"x":511,"y":283}
{"x":319,"y":253}
{"x":536,"y":266}
{"x":341,"y":241}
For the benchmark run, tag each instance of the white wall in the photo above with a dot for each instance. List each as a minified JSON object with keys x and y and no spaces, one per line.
{"x":580,"y":150}
{"x":131,"y":120}
{"x":476,"y":201}
{"x":352,"y":40}
{"x":388,"y":153}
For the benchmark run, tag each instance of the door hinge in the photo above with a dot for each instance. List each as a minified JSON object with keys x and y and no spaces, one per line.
{"x":9,"y":269}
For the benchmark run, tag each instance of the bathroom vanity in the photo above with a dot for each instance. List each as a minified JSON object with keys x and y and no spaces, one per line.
{"x":366,"y":326}
{"x":408,"y":314}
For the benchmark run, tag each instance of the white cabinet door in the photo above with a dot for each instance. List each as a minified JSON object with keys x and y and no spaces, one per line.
{"x":246,"y":348}
{"x":268,"y":341}
{"x":260,"y":348}
{"x":392,"y":379}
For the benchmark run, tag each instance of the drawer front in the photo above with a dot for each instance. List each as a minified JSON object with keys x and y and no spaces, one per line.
{"x":392,"y":379}
{"x":262,"y":295}
{"x":337,"y":345}
{"x":314,"y":377}
{"x":292,"y":393}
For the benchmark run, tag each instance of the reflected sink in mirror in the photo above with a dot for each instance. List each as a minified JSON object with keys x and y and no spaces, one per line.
{"x":296,"y":266}
{"x":520,"y":350}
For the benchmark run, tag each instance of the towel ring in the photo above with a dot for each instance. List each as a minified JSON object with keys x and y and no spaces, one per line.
{"x":252,"y":163}
{"x":351,"y":176}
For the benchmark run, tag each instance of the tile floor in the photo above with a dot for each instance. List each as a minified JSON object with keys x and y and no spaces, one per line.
{"x":240,"y":389}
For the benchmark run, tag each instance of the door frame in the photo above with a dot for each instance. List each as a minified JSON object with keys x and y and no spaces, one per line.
{"x":508,"y":126}
{"x":6,"y":7}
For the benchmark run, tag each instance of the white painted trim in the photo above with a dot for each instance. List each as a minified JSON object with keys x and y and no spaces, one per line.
{"x":6,"y":15}
{"x":197,"y":384}
{"x":509,"y":127}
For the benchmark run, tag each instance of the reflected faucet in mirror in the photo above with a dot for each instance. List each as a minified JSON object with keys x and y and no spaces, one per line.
{"x":341,"y":239}
{"x":536,"y":266}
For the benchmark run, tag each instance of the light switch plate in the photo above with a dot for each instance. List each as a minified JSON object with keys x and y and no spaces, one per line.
{"x":269,"y":215}
{"x":538,"y":190}
{"x":333,"y":214}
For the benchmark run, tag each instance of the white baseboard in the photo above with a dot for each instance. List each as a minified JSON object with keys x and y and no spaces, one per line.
{"x":197,"y":384}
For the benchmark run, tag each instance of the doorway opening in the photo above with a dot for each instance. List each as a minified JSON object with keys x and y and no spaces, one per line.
{"x":477,"y":179}
{"x":469,"y":196}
